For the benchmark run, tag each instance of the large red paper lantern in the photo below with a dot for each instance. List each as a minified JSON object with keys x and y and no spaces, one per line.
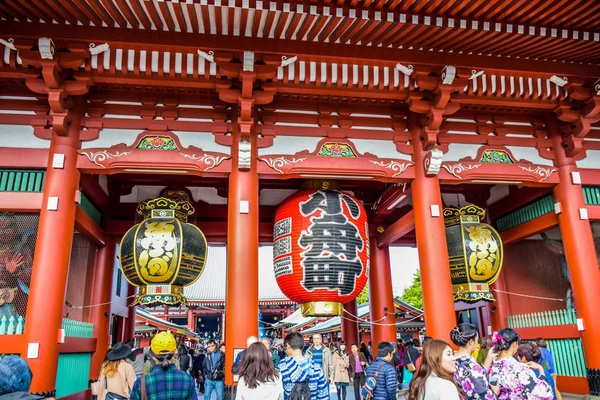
{"x":321,"y":250}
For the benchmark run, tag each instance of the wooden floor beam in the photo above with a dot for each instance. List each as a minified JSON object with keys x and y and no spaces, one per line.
{"x":85,"y":225}
{"x":398,"y":229}
{"x":529,"y":228}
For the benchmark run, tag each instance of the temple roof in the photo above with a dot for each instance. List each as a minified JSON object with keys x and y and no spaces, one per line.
{"x":211,"y":287}
{"x":154,"y":323}
{"x":545,"y":30}
{"x":335,"y":323}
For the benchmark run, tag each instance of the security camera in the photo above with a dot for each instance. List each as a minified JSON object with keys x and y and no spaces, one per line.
{"x":559,"y":81}
{"x":404,"y":69}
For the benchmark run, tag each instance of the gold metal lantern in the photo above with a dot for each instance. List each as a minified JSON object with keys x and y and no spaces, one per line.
{"x":475,"y":252}
{"x":164,"y":252}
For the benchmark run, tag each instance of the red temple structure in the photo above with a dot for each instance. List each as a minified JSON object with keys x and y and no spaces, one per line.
{"x":410,"y":105}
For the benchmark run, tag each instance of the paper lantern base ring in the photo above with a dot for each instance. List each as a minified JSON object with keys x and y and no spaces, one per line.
{"x":322,"y":309}
{"x":154,"y":295}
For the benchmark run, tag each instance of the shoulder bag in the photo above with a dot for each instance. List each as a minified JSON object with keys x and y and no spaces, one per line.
{"x":411,"y":366}
{"x":111,"y":395}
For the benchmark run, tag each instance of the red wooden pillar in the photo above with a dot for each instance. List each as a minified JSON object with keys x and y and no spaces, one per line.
{"x":129,"y":328}
{"x":438,"y":300}
{"x":499,"y":310}
{"x":241,"y":312}
{"x":51,"y":259}
{"x":580,"y":253}
{"x":191,"y":320}
{"x":381,"y":296}
{"x":349,"y":324}
{"x":101,"y":294}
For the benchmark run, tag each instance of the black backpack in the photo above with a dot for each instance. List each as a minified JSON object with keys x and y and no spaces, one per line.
{"x":300,"y":391}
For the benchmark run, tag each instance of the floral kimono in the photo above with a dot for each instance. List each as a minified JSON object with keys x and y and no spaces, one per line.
{"x":518,"y":382}
{"x":473,"y":380}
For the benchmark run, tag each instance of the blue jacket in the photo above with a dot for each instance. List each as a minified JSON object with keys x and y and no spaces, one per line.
{"x":386,"y":380}
{"x":302,"y":369}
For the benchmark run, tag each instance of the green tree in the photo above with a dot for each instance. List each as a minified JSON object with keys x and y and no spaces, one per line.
{"x":363,"y":296}
{"x":413,"y":294}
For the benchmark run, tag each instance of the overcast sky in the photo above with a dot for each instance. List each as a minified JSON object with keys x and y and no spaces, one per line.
{"x":404,"y":262}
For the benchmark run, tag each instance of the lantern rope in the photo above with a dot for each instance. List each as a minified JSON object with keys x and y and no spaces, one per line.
{"x":96,"y":305}
{"x":358,"y":319}
{"x":527,"y":295}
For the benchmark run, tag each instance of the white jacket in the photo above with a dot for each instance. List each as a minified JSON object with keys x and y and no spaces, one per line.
{"x":264,"y":390}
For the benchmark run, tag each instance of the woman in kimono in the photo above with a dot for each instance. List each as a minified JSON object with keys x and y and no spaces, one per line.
{"x":469,"y":375}
{"x":517,"y":381}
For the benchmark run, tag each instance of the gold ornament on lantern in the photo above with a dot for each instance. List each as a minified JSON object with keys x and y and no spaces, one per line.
{"x":475,"y":252}
{"x":163,"y":253}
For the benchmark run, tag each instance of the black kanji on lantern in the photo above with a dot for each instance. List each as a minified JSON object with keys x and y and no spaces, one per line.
{"x":332,"y":243}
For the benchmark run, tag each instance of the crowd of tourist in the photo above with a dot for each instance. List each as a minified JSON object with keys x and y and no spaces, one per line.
{"x":498,"y":368}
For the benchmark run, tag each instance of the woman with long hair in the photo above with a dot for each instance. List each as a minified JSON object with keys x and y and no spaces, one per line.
{"x":434,"y":378}
{"x":517,"y":381}
{"x":341,"y":363}
{"x":469,"y":375}
{"x":117,"y":376}
{"x":258,"y":377}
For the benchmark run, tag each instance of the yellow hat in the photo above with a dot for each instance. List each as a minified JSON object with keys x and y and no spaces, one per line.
{"x":163,"y":342}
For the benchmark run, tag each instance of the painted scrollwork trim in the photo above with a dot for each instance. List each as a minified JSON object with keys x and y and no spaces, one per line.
{"x":99,"y":156}
{"x":397,"y":167}
{"x":542,"y":172}
{"x":278,"y":162}
{"x":208,"y":159}
{"x":457,"y":169}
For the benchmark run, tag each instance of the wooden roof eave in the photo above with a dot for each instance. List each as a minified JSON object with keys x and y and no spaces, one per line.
{"x":335,"y":52}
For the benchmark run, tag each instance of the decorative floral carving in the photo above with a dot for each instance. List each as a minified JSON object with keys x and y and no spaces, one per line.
{"x":397,"y":167}
{"x":496,"y":156}
{"x":276,"y":163}
{"x":457,"y":169}
{"x":100,"y":156}
{"x":208,"y":159}
{"x":336,"y":150}
{"x":157,"y":143}
{"x":542,"y":172}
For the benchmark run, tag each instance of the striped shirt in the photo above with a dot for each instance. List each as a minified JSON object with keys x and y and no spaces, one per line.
{"x":317,"y":356}
{"x":301,"y":369}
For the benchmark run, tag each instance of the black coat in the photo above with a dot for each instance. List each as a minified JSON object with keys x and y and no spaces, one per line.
{"x":411,"y":355}
{"x":184,"y":362}
{"x":216,"y":371}
{"x":198,"y":361}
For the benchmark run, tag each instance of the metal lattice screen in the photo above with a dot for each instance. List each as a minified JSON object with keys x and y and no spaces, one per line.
{"x":18,"y":232}
{"x":81,"y":267}
{"x":536,"y":268}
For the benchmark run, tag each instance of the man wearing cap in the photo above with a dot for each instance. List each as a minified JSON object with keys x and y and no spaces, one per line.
{"x":165,"y":380}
